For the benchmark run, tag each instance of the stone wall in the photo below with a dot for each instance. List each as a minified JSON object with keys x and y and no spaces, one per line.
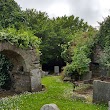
{"x":101,"y":91}
{"x":24,"y":60}
{"x":21,"y":83}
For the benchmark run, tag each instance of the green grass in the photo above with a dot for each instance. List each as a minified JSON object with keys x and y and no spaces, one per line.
{"x":56,"y":92}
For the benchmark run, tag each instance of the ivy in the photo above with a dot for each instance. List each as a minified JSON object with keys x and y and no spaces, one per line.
{"x":21,"y":38}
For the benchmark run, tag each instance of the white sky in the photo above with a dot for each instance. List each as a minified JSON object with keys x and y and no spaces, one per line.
{"x":89,"y":10}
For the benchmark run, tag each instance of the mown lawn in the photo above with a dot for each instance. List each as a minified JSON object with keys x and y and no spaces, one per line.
{"x":56,"y":92}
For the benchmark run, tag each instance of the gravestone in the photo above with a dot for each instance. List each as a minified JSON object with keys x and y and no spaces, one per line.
{"x":101,"y":91}
{"x":56,"y":70}
{"x":50,"y":107}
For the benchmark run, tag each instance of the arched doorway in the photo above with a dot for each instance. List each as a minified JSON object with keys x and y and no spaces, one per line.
{"x":25,"y":74}
{"x":15,"y":70}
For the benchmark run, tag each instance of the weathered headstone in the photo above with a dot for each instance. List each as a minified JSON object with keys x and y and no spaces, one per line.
{"x":50,"y":107}
{"x":35,"y":80}
{"x":101,"y":91}
{"x":56,"y":70}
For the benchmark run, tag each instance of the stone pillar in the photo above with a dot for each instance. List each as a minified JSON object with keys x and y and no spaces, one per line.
{"x":35,"y":80}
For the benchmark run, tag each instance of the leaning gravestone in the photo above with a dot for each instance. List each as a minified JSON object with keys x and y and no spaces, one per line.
{"x":49,"y":107}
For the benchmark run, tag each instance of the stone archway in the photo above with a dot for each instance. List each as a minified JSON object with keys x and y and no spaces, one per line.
{"x":25,"y":75}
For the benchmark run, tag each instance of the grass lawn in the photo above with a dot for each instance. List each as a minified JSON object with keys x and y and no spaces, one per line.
{"x":56,"y":92}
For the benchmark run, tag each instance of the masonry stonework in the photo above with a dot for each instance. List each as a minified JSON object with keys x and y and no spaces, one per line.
{"x":25,"y":75}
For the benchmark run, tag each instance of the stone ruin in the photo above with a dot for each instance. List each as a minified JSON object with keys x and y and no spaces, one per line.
{"x":25,"y":75}
{"x":95,"y":66}
{"x":96,"y":70}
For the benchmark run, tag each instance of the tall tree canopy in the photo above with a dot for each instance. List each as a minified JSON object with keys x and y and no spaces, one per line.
{"x":10,"y":14}
{"x":36,"y":21}
{"x":55,"y":33}
{"x":60,"y":31}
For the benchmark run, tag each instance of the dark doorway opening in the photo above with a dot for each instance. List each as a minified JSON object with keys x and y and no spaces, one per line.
{"x":5,"y":69}
{"x":50,"y":65}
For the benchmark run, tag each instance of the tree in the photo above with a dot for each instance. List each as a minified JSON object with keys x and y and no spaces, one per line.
{"x":11,"y":14}
{"x":104,"y":42}
{"x":81,"y":46}
{"x":36,"y":22}
{"x":61,"y":30}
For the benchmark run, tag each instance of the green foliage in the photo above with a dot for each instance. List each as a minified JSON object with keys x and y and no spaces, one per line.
{"x":80,"y":63}
{"x":104,"y":42}
{"x":36,"y":21}
{"x":105,"y":58}
{"x":21,"y":38}
{"x":55,"y":33}
{"x":57,"y":92}
{"x":10,"y":14}
{"x":104,"y":33}
{"x":80,"y":50}
{"x":60,"y":31}
{"x":14,"y":29}
{"x":5,"y":66}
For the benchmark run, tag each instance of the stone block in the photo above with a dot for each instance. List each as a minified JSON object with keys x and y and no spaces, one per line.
{"x":101,"y":91}
{"x":88,"y":81}
{"x":50,"y":107}
{"x":35,"y":80}
{"x":67,"y":79}
{"x":87,"y":76}
{"x":21,"y":83}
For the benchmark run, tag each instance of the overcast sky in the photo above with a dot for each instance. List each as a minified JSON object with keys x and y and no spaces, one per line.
{"x":89,"y":10}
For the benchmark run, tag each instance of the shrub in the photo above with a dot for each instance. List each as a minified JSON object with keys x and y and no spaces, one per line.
{"x":82,"y":44}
